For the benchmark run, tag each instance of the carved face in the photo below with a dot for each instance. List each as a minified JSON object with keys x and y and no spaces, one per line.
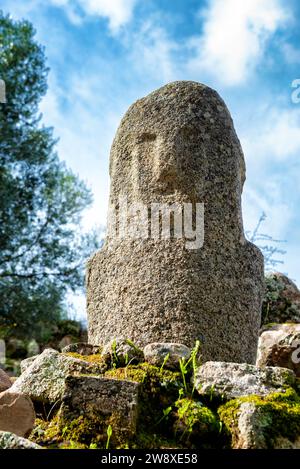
{"x":169,"y":144}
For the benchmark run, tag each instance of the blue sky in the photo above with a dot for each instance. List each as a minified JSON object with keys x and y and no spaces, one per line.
{"x":105,"y":54}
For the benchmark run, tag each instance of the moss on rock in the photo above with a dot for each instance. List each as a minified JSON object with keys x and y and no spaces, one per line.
{"x":196,"y":422}
{"x":279,"y":415}
{"x":94,"y":358}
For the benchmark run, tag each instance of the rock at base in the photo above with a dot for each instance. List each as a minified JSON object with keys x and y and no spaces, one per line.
{"x":11,"y":441}
{"x":5,"y":382}
{"x":82,"y":348}
{"x":27,"y":362}
{"x":101,"y":402}
{"x":281,"y":300}
{"x":17,"y":413}
{"x":270,"y":422}
{"x":169,"y":354}
{"x":280,"y":346}
{"x":232,"y":380}
{"x":44,"y":379}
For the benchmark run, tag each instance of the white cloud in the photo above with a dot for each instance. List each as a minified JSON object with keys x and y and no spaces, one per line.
{"x":291,"y":53}
{"x":234,"y":37}
{"x":118,"y":12}
{"x":271,"y":143}
{"x":270,"y":200}
{"x":276,"y":136}
{"x":152,"y":53}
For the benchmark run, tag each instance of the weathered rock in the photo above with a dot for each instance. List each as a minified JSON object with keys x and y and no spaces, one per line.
{"x":157,"y":352}
{"x":178,"y":146}
{"x":82,"y":348}
{"x":17,"y":413}
{"x":271,"y":422}
{"x":232,"y":380}
{"x":280,"y":346}
{"x":44,"y":379}
{"x":122,"y":352}
{"x":27,"y":362}
{"x":5,"y":382}
{"x":11,"y":441}
{"x":281,"y":300}
{"x":101,"y":402}
{"x":65,"y":342}
{"x":251,"y":423}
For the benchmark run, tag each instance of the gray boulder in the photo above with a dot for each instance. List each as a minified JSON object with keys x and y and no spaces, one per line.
{"x":157,"y":352}
{"x":270,"y":422}
{"x":281,"y":300}
{"x":44,"y":379}
{"x":102,"y":402}
{"x":5,"y":381}
{"x":280,"y":346}
{"x":17,"y":413}
{"x":232,"y":380}
{"x":82,"y":348}
{"x":11,"y":441}
{"x":27,"y":362}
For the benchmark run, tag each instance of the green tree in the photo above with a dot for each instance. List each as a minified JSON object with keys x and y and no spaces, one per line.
{"x":42,"y":249}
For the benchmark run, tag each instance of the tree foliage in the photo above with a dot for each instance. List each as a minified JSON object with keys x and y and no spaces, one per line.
{"x":41,"y":201}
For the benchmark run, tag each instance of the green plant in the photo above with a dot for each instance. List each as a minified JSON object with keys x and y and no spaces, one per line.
{"x":193,"y":358}
{"x":191,"y":363}
{"x":114,"y":353}
{"x":164,"y":362}
{"x":183,"y":371}
{"x":109,"y":434}
{"x":166,"y":413}
{"x":132,"y":345}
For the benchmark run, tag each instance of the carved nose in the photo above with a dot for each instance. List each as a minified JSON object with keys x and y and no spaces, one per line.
{"x":166,"y":166}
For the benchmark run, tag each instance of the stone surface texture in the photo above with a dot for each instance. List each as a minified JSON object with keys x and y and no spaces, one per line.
{"x":44,"y":379}
{"x":280,"y":346}
{"x":5,"y":382}
{"x":281,"y":300}
{"x":17,"y":413}
{"x":106,"y":401}
{"x":11,"y":441}
{"x":156,"y":353}
{"x":250,"y":428}
{"x":233,"y":380}
{"x":27,"y":362}
{"x":177,"y":145}
{"x":253,"y":430}
{"x":82,"y":348}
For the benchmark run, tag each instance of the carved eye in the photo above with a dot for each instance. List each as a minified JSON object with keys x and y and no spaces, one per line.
{"x":145,"y":137}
